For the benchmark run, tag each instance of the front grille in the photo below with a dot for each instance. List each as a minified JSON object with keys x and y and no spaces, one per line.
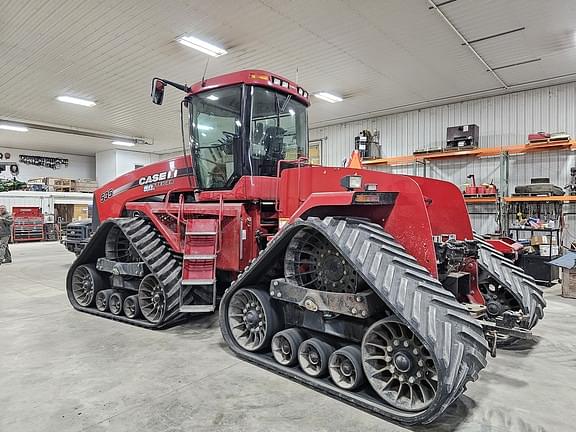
{"x":76,"y":233}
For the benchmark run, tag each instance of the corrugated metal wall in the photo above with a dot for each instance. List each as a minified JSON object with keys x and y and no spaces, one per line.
{"x":503,"y":120}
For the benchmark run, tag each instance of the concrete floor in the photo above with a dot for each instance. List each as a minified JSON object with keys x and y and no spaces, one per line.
{"x":62,"y":370}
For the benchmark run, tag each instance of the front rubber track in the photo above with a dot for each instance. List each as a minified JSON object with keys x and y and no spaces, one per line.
{"x":514,"y":280}
{"x":417,"y":299}
{"x":153,"y":252}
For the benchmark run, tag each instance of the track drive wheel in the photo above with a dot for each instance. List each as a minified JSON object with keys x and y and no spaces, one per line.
{"x":313,"y":356}
{"x":345,"y":367}
{"x":251,"y":319}
{"x":86,"y":282}
{"x":285,"y":346}
{"x":398,"y":366}
{"x":118,"y":247}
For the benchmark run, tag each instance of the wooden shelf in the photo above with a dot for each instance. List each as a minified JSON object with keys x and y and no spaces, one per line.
{"x":479,"y":152}
{"x":480,"y":200}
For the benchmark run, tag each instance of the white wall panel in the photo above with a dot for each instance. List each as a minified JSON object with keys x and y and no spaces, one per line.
{"x":79,"y":167}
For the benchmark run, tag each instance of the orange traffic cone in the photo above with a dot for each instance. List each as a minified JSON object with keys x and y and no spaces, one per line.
{"x":354,"y":161}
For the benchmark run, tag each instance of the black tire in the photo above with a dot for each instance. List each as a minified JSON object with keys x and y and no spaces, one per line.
{"x":131,"y":307}
{"x":86,"y":282}
{"x":285,"y":346}
{"x":103,"y":299}
{"x":345,"y":367}
{"x":116,"y":302}
{"x":313,"y":357}
{"x":251,"y":319}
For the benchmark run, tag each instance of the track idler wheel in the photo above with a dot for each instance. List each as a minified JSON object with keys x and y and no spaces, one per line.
{"x":345,"y":367}
{"x":86,"y":282}
{"x":285,"y":346}
{"x":398,"y":366}
{"x":116,"y":301}
{"x":313,"y":357}
{"x":131,"y":307}
{"x":152,"y":299}
{"x":251,"y":319}
{"x":103,"y":299}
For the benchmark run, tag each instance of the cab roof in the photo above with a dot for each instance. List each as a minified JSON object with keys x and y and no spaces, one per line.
{"x":253,"y":77}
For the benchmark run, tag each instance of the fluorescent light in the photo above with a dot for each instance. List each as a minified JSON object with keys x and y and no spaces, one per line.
{"x":200,"y":45}
{"x":13,"y":128}
{"x":238,"y":123}
{"x":292,"y":112}
{"x":76,"y":101}
{"x":123,"y":143}
{"x":203,"y":134}
{"x":213,"y":97}
{"x":328,"y":97}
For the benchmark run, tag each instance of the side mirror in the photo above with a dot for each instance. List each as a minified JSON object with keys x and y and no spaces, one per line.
{"x":157,"y":91}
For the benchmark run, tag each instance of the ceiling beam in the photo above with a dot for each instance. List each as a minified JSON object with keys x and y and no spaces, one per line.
{"x":466,"y":43}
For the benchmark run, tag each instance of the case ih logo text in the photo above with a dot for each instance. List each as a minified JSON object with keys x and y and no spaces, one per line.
{"x":158,"y":177}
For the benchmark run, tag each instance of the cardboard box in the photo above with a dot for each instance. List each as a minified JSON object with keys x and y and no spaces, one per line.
{"x":537,"y":240}
{"x":545,"y":250}
{"x":569,"y":283}
{"x":568,"y":264}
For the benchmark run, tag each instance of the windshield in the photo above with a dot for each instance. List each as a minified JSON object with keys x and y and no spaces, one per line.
{"x":278,"y":130}
{"x":215,"y":132}
{"x":227,"y":144}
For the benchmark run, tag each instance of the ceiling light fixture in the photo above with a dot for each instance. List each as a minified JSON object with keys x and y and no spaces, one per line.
{"x":328,"y":97}
{"x":76,"y":101}
{"x":13,"y":128}
{"x":123,"y":143}
{"x":200,"y":45}
{"x":213,"y":97}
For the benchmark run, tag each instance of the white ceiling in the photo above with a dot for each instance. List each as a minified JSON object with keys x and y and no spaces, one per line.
{"x":382,"y":56}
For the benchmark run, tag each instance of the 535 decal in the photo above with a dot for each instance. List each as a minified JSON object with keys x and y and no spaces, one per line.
{"x":106,"y":195}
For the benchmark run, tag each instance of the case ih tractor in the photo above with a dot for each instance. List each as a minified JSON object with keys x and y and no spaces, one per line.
{"x":367,"y":286}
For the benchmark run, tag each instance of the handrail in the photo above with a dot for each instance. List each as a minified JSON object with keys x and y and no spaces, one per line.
{"x":220,"y":217}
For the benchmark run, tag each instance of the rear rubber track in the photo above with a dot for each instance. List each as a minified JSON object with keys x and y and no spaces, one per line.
{"x":521,"y":285}
{"x":153,"y":251}
{"x":417,"y":299}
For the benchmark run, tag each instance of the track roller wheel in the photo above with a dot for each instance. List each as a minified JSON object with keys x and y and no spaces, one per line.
{"x":345,"y":367}
{"x":285,"y":346}
{"x":86,"y":282}
{"x":116,"y":301}
{"x":251,"y":319}
{"x":103,"y":299}
{"x":398,"y":366}
{"x":131,"y":307}
{"x":313,"y":357}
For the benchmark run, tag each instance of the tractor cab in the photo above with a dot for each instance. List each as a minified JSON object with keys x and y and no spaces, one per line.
{"x":243,"y":124}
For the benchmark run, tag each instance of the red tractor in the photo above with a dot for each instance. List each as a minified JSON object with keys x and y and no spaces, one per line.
{"x":364,"y":285}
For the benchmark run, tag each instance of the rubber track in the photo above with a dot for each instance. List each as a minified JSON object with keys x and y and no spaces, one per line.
{"x":521,"y":285}
{"x":445,"y":327}
{"x":154,"y":253}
